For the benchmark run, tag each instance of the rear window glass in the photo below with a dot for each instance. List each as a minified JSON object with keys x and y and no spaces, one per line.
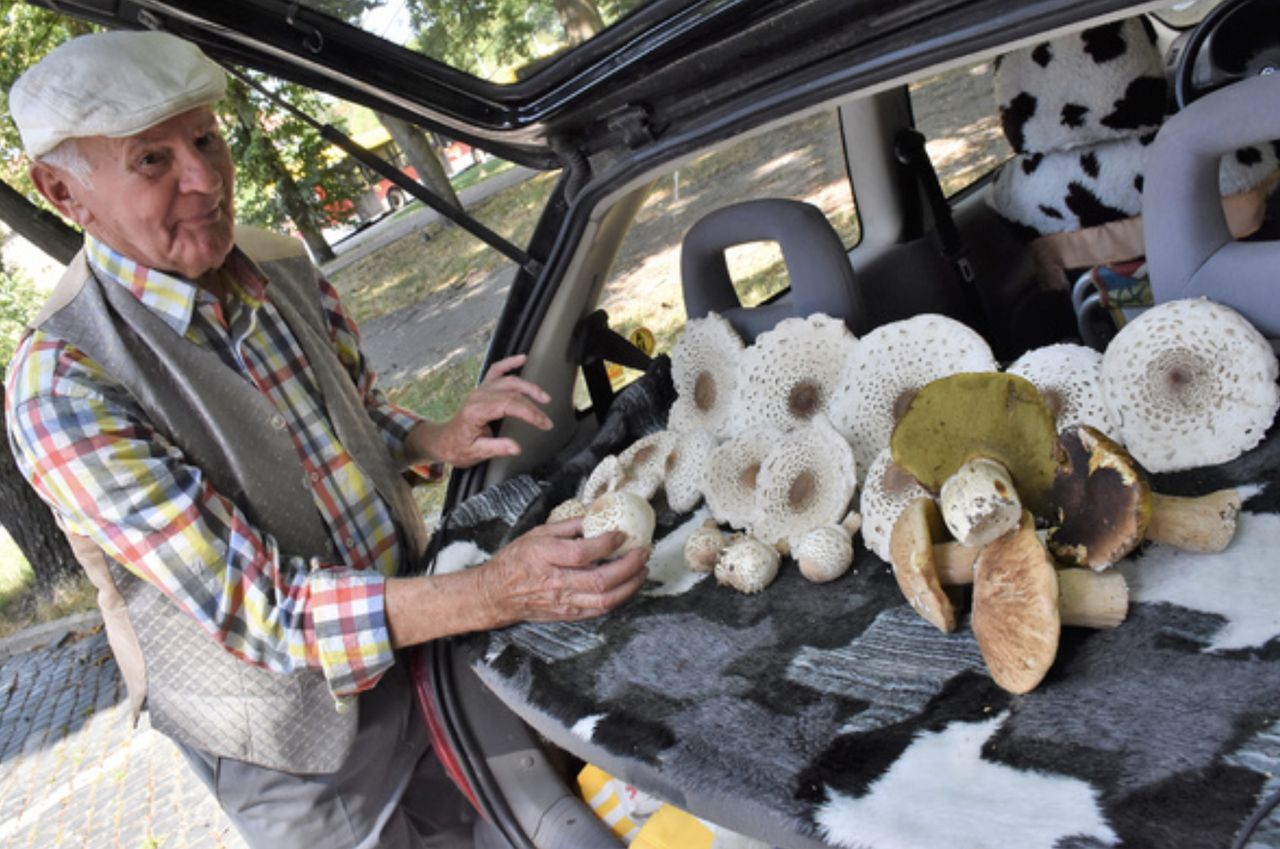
{"x":956,"y":112}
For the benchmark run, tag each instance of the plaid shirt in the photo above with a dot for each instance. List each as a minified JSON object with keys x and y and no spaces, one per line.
{"x":90,"y":452}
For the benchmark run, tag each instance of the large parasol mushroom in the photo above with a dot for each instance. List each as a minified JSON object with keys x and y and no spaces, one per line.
{"x":1069,"y":376}
{"x":787,"y":377}
{"x":704,"y":364}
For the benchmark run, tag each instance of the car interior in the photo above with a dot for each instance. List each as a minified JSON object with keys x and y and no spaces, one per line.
{"x":919,"y":174}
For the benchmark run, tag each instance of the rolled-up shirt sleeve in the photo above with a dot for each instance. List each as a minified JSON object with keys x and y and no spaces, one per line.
{"x":113,"y":478}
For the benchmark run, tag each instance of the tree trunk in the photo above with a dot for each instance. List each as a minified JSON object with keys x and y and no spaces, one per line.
{"x":30,"y":522}
{"x":581,"y":20}
{"x":413,"y":143}
{"x":38,"y":226}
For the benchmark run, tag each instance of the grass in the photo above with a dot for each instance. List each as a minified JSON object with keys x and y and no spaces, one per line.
{"x":22,"y":605}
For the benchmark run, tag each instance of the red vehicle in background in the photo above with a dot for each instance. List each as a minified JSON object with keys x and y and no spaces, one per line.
{"x":458,"y":157}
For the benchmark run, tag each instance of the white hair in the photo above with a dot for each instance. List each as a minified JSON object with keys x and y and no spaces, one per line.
{"x":68,"y":157}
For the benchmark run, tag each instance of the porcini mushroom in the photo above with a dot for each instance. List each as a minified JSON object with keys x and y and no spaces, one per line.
{"x":731,"y":474}
{"x":824,"y":553}
{"x":995,"y":417}
{"x":914,"y":566}
{"x":1189,"y":383}
{"x":889,"y":365}
{"x":747,"y":564}
{"x":787,"y":376}
{"x":686,"y":469}
{"x":702,"y":548}
{"x":1020,"y":602}
{"x":620,"y":511}
{"x":805,"y":481}
{"x":886,"y":491}
{"x":1105,"y":507}
{"x":1069,"y":376}
{"x":704,"y":364}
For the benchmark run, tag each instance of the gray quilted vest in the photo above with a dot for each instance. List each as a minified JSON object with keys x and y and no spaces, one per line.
{"x":197,"y":692}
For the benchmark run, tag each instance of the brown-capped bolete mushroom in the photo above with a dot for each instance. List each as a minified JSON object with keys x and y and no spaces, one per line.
{"x":991,"y":439}
{"x":1020,"y":602}
{"x":1105,"y":506}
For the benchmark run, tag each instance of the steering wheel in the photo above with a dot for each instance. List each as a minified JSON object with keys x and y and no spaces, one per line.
{"x":1237,"y":40}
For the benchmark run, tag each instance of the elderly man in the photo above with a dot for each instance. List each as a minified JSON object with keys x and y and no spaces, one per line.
{"x":194,"y":405}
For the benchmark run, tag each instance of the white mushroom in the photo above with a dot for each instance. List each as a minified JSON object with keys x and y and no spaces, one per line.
{"x":702,"y":548}
{"x":704,"y":363}
{"x":642,"y":466}
{"x":979,"y":502}
{"x":747,"y":564}
{"x":1069,"y":377}
{"x":687,"y":468}
{"x":824,"y":553}
{"x":889,"y":365}
{"x":1189,"y":383}
{"x":732,"y":470}
{"x":805,"y":481}
{"x":787,"y":377}
{"x":886,"y":492}
{"x":571,"y":508}
{"x":620,"y":511}
{"x":605,"y":477}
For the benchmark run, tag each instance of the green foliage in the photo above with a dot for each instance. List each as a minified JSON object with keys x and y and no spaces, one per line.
{"x":283,"y":170}
{"x":19,"y":300}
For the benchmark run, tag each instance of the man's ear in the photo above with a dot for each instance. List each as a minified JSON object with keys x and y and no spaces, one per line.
{"x":61,"y":190}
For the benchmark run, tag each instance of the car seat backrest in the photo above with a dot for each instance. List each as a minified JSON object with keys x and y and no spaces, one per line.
{"x":822,"y":278}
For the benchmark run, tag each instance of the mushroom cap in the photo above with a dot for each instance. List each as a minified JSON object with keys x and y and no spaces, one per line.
{"x":704,"y":363}
{"x":687,"y":468}
{"x":605,"y":477}
{"x":805,"y":481}
{"x":702,"y":548}
{"x":747,"y":564}
{"x":1015,"y":609}
{"x":887,"y":489}
{"x":990,"y":414}
{"x":911,"y":553}
{"x":1069,"y":376}
{"x":732,"y":472}
{"x":1189,"y":383}
{"x":620,"y":511}
{"x":787,"y":377}
{"x":570,"y":508}
{"x":643,"y":465}
{"x":824,"y":553}
{"x":1101,"y":498}
{"x":889,"y":365}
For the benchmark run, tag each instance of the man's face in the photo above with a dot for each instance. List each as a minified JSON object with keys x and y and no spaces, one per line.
{"x":162,"y":197}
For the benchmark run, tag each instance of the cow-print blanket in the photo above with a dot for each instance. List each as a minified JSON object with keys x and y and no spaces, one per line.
{"x":1080,"y":112}
{"x":812,"y":715}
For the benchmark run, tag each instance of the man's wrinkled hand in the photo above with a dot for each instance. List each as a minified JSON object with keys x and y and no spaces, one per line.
{"x":553,"y":574}
{"x":467,"y":438}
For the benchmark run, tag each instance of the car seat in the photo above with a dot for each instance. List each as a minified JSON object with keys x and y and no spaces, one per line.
{"x":1081,"y":113}
{"x":822,"y":278}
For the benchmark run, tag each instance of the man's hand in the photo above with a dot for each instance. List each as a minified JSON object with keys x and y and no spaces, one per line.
{"x":467,"y":438}
{"x":553,"y":574}
{"x":550,"y":574}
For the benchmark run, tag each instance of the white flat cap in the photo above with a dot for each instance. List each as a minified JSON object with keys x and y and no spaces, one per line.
{"x":111,"y":84}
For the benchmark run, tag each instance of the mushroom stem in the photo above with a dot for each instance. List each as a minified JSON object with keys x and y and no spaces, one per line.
{"x":954,"y":562}
{"x":1202,"y":524}
{"x":1089,"y":599}
{"x":979,"y":502}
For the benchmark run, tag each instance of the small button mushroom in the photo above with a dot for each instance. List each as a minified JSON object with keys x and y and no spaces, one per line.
{"x":702,"y":548}
{"x":824,"y":553}
{"x":747,"y":564}
{"x":1105,"y":507}
{"x":620,"y":511}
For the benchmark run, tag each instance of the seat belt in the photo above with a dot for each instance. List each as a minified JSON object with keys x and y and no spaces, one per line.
{"x":594,"y":345}
{"x":909,"y":148}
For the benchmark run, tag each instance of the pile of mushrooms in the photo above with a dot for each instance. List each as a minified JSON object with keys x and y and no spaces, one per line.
{"x":1023,"y":484}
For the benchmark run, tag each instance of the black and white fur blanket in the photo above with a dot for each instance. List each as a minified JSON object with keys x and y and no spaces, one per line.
{"x":813,"y":715}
